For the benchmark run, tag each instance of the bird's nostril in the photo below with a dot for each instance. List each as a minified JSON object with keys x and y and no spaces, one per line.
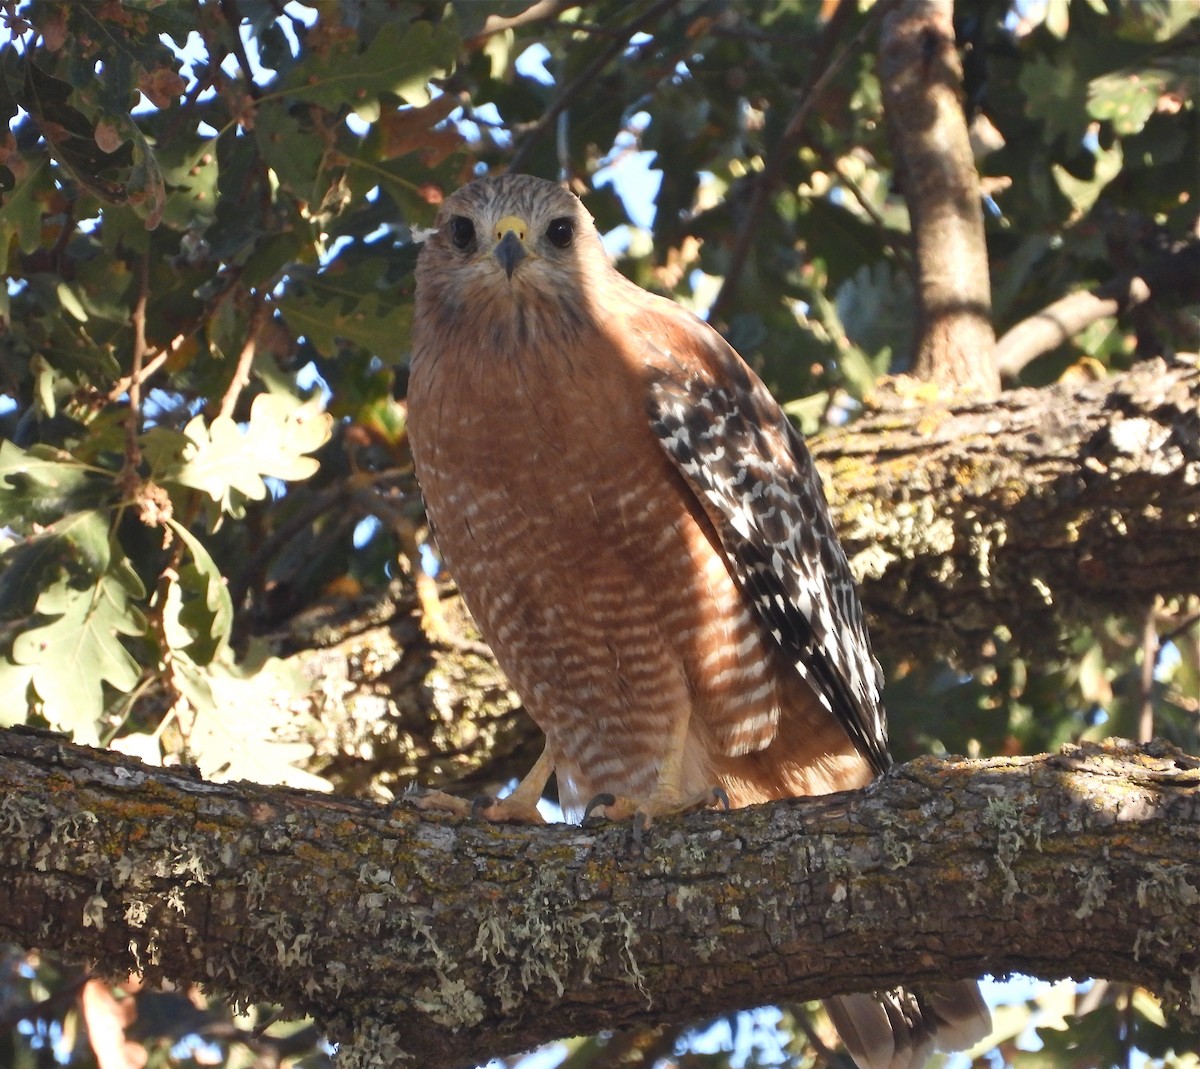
{"x":511,"y":224}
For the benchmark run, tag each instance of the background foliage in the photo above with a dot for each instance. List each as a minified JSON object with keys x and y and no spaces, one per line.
{"x":206,"y":223}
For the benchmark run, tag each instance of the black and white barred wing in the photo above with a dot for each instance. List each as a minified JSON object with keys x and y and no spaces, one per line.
{"x":755,"y":478}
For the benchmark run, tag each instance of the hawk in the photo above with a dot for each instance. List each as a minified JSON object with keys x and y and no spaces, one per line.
{"x":643,"y":540}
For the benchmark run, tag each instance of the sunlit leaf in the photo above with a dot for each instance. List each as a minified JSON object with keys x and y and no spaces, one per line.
{"x":241,"y":717}
{"x":1084,"y":193}
{"x":229,"y":462}
{"x":15,"y":681}
{"x":1128,"y":98}
{"x":208,"y":614}
{"x":77,"y":650}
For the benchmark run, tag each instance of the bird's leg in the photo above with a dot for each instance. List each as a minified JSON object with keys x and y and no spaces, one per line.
{"x":668,"y":795}
{"x":519,"y":807}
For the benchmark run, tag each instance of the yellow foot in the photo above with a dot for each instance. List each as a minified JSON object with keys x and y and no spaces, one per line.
{"x":619,"y":807}
{"x":510,"y":810}
{"x":520,"y":807}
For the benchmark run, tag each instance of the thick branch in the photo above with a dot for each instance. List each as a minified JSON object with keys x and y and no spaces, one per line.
{"x":921,"y":76}
{"x":1055,"y":508}
{"x":409,"y":938}
{"x":1042,"y":508}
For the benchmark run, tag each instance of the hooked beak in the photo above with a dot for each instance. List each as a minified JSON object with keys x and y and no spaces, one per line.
{"x":510,"y":252}
{"x":510,"y":242}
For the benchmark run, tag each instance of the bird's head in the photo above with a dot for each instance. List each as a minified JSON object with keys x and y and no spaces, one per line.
{"x":514,"y":249}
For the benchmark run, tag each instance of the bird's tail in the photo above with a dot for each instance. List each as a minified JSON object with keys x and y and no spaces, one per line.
{"x":899,"y":1029}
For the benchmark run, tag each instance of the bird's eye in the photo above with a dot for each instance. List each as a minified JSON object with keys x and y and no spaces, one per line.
{"x":560,"y":232}
{"x":462,"y":232}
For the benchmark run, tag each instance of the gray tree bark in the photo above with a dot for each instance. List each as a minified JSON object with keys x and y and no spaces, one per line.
{"x":436,"y":942}
{"x":1038,"y":511}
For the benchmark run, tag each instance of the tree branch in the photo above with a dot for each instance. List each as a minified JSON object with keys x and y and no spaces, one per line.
{"x":435,"y":941}
{"x":1042,"y":508}
{"x":1056,"y":508}
{"x":1174,"y":276}
{"x":586,"y":79}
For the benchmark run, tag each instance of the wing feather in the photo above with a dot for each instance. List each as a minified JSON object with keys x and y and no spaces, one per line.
{"x":753,"y":475}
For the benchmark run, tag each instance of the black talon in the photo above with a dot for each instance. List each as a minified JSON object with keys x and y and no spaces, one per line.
{"x":602,"y":799}
{"x":721,"y":796}
{"x":640,"y":823}
{"x":479,"y":803}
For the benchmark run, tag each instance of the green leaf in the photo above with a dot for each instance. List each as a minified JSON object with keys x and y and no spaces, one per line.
{"x":206,"y":619}
{"x":807,"y":411}
{"x":45,"y":379}
{"x":1083,"y":193}
{"x":1056,"y":93}
{"x":399,"y":60}
{"x":328,"y":310}
{"x":292,"y":147}
{"x":229,"y":463}
{"x":78,"y":650}
{"x":877,"y":307}
{"x":243,"y":720}
{"x":39,"y":485}
{"x":70,"y":302}
{"x":21,"y":210}
{"x":1128,"y":98}
{"x":1155,"y":20}
{"x":190,"y":174}
{"x":78,"y":545}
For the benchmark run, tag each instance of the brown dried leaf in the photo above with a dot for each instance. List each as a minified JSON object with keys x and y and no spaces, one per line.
{"x":54,"y":30}
{"x":411,"y":130}
{"x":161,"y":86}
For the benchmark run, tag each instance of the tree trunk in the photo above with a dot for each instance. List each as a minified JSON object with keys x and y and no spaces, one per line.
{"x":921,"y":77}
{"x":434,"y":942}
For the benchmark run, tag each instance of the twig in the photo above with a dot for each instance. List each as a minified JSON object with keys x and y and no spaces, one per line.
{"x":241,"y":373}
{"x":585,"y":79}
{"x":233,"y":17}
{"x":1150,"y":647}
{"x":125,"y":383}
{"x":769,"y":177}
{"x":1188,"y":623}
{"x":833,"y":164}
{"x":541,"y":11}
{"x":133,"y":424}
